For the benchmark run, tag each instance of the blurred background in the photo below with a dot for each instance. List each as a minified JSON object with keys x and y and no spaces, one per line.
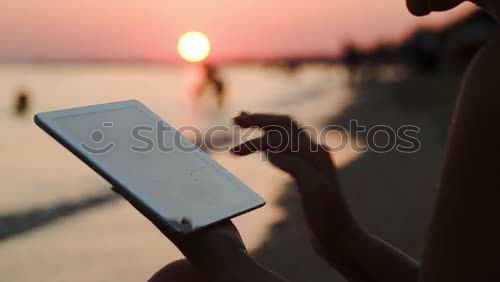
{"x":323,"y":62}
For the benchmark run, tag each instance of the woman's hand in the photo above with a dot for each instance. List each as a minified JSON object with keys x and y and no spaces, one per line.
{"x":213,"y":251}
{"x":336,"y":236}
{"x":216,"y":253}
{"x":214,"y":247}
{"x":288,"y":147}
{"x":221,"y":240}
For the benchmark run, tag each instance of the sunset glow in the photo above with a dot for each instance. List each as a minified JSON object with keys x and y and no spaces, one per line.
{"x":194,"y":46}
{"x":237,"y":30}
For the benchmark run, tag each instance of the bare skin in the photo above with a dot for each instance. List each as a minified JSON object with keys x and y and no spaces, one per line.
{"x":462,"y":242}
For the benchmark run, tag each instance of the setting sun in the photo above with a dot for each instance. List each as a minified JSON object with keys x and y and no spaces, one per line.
{"x":193,"y":46}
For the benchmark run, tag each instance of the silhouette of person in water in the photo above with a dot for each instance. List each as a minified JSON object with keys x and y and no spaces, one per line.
{"x":214,"y":80}
{"x":21,"y":105}
{"x":464,"y":239}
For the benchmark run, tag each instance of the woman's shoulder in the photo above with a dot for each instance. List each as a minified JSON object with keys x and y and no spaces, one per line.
{"x":482,"y":80}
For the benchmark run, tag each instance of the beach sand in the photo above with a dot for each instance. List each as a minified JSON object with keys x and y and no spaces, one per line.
{"x":60,"y":222}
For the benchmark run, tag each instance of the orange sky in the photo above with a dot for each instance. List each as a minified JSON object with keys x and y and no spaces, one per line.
{"x":238,"y":29}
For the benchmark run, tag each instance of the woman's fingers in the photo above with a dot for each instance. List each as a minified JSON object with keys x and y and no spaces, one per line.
{"x":297,"y":167}
{"x":266,"y":121}
{"x":269,"y":142}
{"x":294,"y":164}
{"x":291,"y":162}
{"x":249,"y":147}
{"x":281,"y":134}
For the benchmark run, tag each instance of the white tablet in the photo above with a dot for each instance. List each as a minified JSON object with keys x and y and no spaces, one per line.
{"x":169,"y":179}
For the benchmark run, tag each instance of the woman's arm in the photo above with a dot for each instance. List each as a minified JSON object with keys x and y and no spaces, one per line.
{"x":464,"y":240}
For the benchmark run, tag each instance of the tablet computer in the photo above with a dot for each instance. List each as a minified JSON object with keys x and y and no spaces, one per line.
{"x":168,"y":178}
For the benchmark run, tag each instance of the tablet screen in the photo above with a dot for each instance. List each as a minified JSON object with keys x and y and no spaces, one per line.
{"x":156,"y":164}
